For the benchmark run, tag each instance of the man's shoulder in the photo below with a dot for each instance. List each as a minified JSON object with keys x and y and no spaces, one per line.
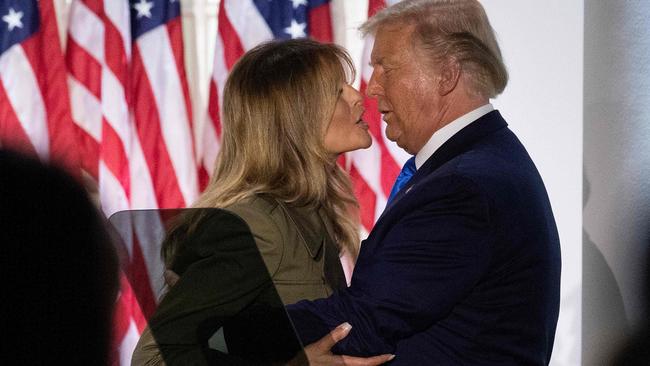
{"x":496,"y":159}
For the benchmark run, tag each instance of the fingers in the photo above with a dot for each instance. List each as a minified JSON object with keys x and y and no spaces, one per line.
{"x":319,"y":352}
{"x":340,"y":332}
{"x":327,"y":342}
{"x":368,"y":361}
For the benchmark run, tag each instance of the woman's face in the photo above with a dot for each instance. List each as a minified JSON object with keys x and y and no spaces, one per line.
{"x":347,"y":131}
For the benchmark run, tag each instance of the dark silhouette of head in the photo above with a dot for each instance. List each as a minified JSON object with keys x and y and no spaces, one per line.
{"x":58,"y":267}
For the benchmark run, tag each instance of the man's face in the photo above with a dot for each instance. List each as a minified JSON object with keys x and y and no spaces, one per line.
{"x":405,"y":88}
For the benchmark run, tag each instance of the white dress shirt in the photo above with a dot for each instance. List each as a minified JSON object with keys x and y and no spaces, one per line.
{"x":442,"y":135}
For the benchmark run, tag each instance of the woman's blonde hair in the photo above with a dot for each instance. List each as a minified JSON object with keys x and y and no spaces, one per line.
{"x":277,"y":104}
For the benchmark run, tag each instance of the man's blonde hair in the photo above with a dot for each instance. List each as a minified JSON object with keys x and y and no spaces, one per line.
{"x":451,"y":30}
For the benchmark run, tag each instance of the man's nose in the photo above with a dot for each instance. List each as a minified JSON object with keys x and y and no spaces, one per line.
{"x":374,"y":89}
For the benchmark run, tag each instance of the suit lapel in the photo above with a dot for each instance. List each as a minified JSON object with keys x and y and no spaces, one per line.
{"x":456,"y":145}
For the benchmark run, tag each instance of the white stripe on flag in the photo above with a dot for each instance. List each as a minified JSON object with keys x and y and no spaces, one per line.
{"x":211,"y":145}
{"x":368,"y":164}
{"x":115,"y":108}
{"x":248,"y":22}
{"x":370,"y":160}
{"x":86,"y":109}
{"x":87,"y":29}
{"x":160,"y":66}
{"x":366,"y":69}
{"x":118,"y":14}
{"x":142,"y":192}
{"x":25,"y":97}
{"x":220,"y":71}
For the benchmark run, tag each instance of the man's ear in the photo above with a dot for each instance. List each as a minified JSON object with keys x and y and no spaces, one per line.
{"x":449,"y":76}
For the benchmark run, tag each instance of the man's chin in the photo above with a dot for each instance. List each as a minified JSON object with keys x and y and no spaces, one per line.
{"x":393,"y":136}
{"x":402,"y":144}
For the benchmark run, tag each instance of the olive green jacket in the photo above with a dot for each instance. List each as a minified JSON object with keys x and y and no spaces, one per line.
{"x":230,"y":268}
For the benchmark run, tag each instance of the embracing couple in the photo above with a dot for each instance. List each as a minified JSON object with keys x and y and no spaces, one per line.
{"x":462,"y":267}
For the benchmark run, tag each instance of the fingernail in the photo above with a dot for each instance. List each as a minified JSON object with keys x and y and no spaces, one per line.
{"x":391,"y":357}
{"x":345,"y":326}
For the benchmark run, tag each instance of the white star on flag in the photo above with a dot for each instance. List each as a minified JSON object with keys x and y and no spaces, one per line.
{"x":143,"y":8}
{"x":13,"y":19}
{"x":297,"y":3}
{"x":296,"y":30}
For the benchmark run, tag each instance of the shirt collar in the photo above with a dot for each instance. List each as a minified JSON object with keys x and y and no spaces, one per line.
{"x":442,"y":135}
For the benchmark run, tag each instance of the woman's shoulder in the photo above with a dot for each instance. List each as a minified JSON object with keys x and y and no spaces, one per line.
{"x":257,"y":211}
{"x":262,"y":204}
{"x":264,"y":213}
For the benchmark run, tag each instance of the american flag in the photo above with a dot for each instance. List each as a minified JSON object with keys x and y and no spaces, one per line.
{"x":243,"y":24}
{"x":34,"y":105}
{"x":130,"y":101}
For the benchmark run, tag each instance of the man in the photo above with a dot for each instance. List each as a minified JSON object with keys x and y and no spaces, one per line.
{"x":463,"y":267}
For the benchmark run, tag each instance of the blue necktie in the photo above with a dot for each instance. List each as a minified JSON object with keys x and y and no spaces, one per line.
{"x":404,"y":176}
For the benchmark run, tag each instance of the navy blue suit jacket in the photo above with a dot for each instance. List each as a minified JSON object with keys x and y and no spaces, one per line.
{"x":463,"y":268}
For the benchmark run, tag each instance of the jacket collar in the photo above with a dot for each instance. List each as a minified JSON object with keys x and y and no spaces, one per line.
{"x":456,"y":145}
{"x":312,"y":233}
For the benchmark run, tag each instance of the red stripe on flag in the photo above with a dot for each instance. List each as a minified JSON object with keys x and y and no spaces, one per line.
{"x":147,"y":120}
{"x":114,"y":156}
{"x":43,"y":50}
{"x":233,"y":48}
{"x":12,"y":134}
{"x":366,"y":197}
{"x":89,"y":149}
{"x":374,"y":6}
{"x":96,"y":6}
{"x":213,"y":108}
{"x":115,"y":53}
{"x":204,"y":178}
{"x":84,"y":67}
{"x":175,"y":32}
{"x":320,"y":23}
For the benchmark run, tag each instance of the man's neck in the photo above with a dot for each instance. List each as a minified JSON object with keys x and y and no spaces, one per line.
{"x":458,"y":107}
{"x":440,"y":136}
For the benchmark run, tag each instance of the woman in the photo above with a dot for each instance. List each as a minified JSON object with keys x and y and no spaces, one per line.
{"x":288,"y":113}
